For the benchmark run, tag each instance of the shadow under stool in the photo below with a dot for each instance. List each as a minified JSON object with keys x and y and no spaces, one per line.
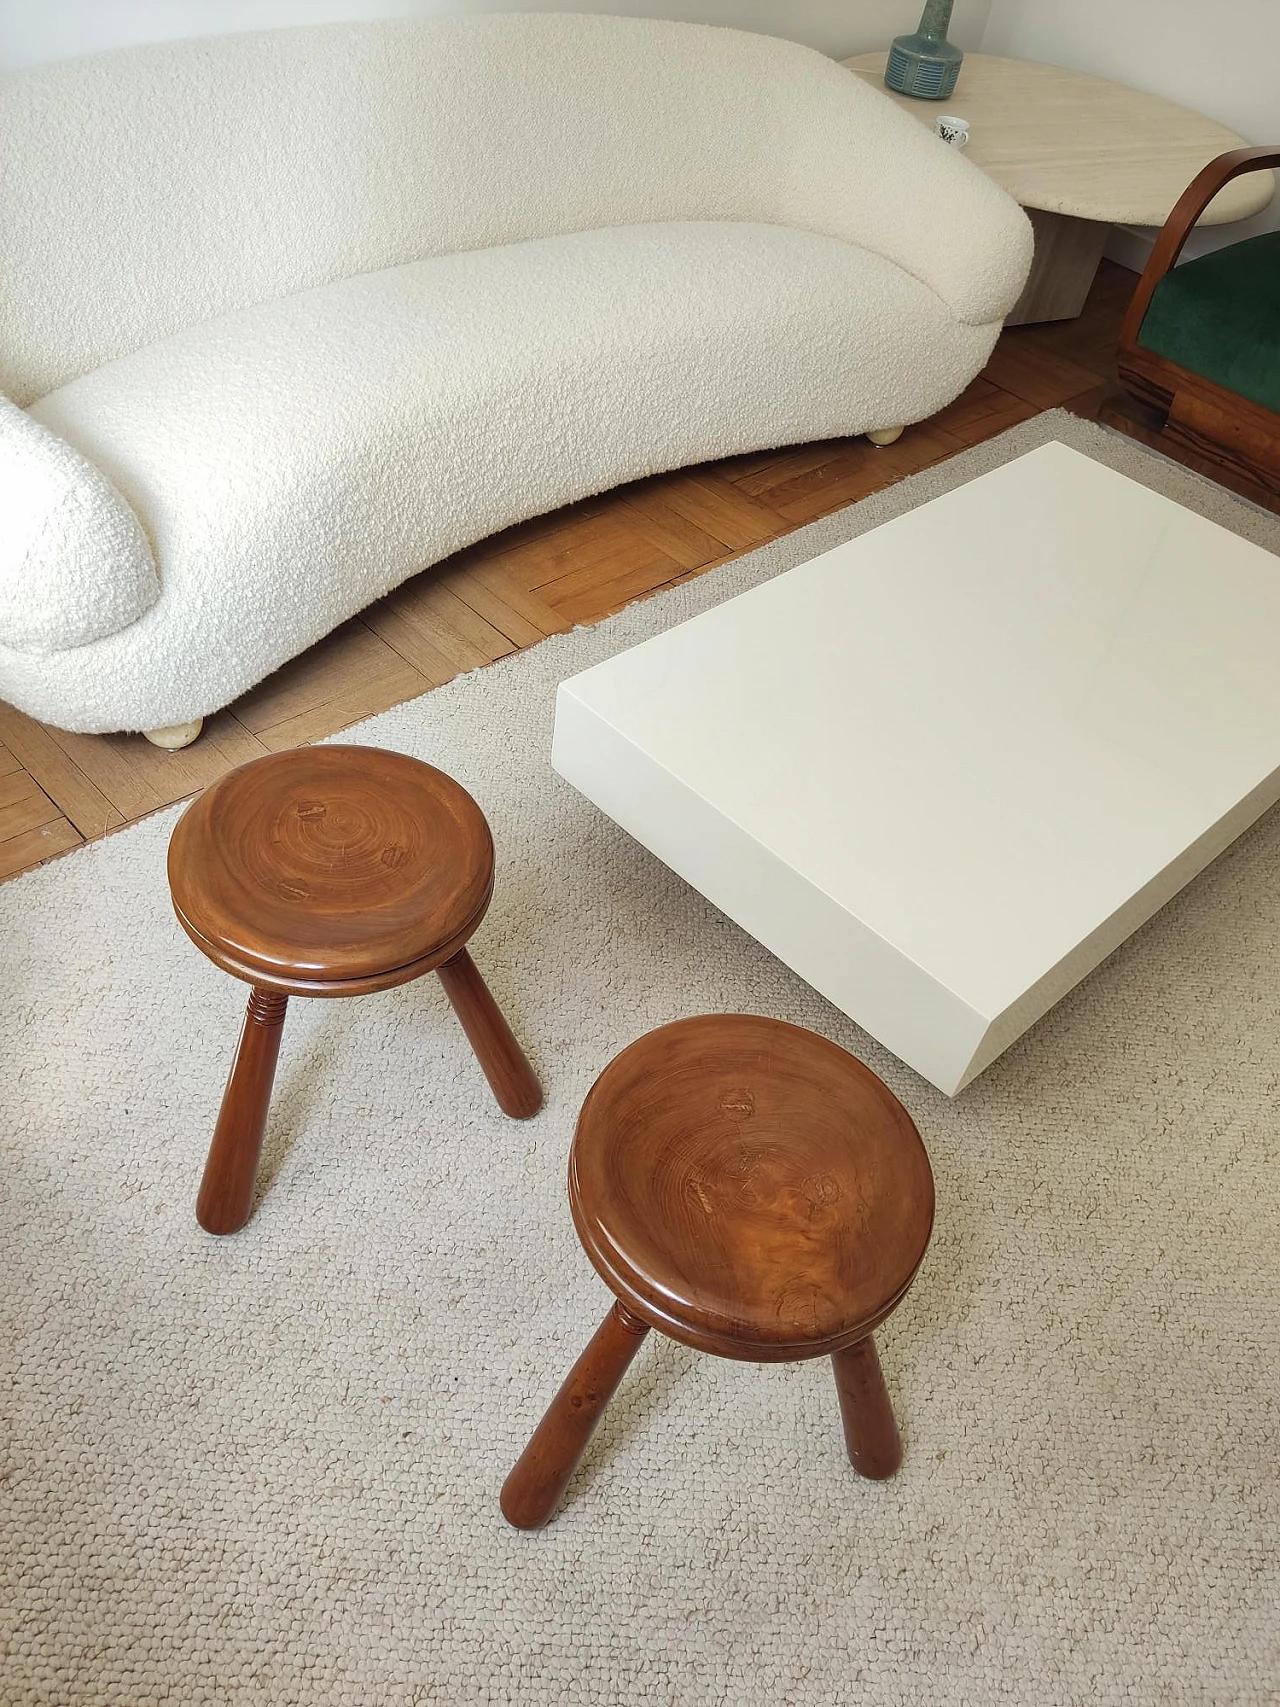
{"x":333,"y":871}
{"x":753,"y":1191}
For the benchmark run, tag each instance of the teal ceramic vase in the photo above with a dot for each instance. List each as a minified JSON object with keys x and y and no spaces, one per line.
{"x":926,"y":64}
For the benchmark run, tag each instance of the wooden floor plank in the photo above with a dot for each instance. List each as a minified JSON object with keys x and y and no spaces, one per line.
{"x":63,"y":780}
{"x":857,"y":472}
{"x":352,"y":662}
{"x":593,"y":600}
{"x":336,"y":714}
{"x":855,"y":468}
{"x":792,"y":464}
{"x":741,"y":468}
{"x":103,"y":760}
{"x":8,"y":763}
{"x":224,"y":743}
{"x":24,"y":805}
{"x":1036,"y":374}
{"x":715,"y":505}
{"x":402,"y":628}
{"x":536,"y":527}
{"x":1090,"y":340}
{"x":640,"y":569}
{"x":1089,"y":404}
{"x":504,"y":603}
{"x":980,"y":397}
{"x":510,"y":589}
{"x":576,"y":543}
{"x":16,"y":786}
{"x":24,"y":852}
{"x":646,"y":509}
{"x":985,"y":424}
{"x":461,"y":628}
{"x":621,"y":554}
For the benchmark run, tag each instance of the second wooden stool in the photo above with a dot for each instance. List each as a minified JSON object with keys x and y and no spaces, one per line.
{"x":750,"y":1189}
{"x":333,"y":871}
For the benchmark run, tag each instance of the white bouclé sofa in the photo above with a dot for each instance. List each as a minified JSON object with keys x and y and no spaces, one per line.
{"x":286,"y":317}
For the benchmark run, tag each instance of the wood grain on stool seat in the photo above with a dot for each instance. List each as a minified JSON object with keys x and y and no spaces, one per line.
{"x":332,"y":865}
{"x":333,"y":871}
{"x":750,"y":1188}
{"x":753,"y":1190}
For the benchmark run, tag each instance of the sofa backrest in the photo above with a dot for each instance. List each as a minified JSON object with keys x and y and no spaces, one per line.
{"x":150,"y":188}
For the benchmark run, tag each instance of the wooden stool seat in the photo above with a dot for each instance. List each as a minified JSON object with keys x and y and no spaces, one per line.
{"x":754,"y":1191}
{"x":336,"y":865}
{"x":333,"y":871}
{"x":750,"y":1188}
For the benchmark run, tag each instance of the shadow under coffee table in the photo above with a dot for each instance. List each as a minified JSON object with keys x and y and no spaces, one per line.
{"x":943,"y":770}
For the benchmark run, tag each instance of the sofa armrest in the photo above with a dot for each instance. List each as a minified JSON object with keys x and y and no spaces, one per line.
{"x":75,"y":564}
{"x":864,"y":170}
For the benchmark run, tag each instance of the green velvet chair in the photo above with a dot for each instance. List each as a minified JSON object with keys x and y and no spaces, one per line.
{"x":1200,"y":345}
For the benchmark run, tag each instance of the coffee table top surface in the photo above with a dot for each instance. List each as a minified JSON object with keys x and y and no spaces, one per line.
{"x":983,"y":727}
{"x":1071,"y":143}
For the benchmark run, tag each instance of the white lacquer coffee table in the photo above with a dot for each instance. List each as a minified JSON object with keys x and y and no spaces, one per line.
{"x":943,"y":770}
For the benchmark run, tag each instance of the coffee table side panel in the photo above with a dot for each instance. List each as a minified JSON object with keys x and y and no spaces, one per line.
{"x":898,"y":1002}
{"x":1034,"y":1003}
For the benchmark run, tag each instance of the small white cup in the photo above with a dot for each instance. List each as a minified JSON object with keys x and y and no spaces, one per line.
{"x":953,"y":130}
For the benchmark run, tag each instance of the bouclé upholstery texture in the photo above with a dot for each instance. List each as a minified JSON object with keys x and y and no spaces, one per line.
{"x":326,"y":304}
{"x":74,"y":563}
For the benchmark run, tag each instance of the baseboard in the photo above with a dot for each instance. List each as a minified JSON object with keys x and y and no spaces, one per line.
{"x":1130,"y":246}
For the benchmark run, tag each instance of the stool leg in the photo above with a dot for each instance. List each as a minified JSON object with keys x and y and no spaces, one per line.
{"x":870,"y":1433}
{"x":510,"y":1076}
{"x":226,"y":1191}
{"x":532,"y":1491}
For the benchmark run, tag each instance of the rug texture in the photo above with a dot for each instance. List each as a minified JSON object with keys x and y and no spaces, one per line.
{"x":265,"y":1469}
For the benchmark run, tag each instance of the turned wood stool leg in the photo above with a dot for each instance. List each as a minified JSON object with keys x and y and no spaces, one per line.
{"x":532,"y":1491}
{"x":870,"y":1432}
{"x":509,"y":1074}
{"x":226,"y":1191}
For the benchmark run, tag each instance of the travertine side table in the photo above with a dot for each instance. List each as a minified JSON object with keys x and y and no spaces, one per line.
{"x":1080,"y":154}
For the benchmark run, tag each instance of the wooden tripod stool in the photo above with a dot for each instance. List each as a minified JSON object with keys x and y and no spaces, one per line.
{"x":333,"y":871}
{"x":751,"y":1190}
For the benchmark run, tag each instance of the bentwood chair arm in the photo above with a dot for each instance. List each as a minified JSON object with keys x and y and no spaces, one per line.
{"x":1177,"y":228}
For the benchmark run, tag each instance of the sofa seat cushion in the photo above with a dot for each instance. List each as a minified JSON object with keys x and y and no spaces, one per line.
{"x":294,"y":461}
{"x":1219,"y":316}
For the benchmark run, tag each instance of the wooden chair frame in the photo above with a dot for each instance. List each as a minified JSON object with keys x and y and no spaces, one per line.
{"x":1229,"y":436}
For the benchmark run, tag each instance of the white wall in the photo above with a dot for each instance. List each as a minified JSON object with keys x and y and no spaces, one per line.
{"x":1221,"y":57}
{"x":35,"y":30}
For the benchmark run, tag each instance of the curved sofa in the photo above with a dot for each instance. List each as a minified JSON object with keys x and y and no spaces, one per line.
{"x":287,"y":317}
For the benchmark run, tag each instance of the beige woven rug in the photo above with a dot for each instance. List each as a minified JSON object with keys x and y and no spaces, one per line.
{"x":265,"y":1469}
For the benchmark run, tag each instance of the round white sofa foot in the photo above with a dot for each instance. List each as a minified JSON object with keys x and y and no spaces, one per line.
{"x":886,"y":435}
{"x":176,"y":736}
